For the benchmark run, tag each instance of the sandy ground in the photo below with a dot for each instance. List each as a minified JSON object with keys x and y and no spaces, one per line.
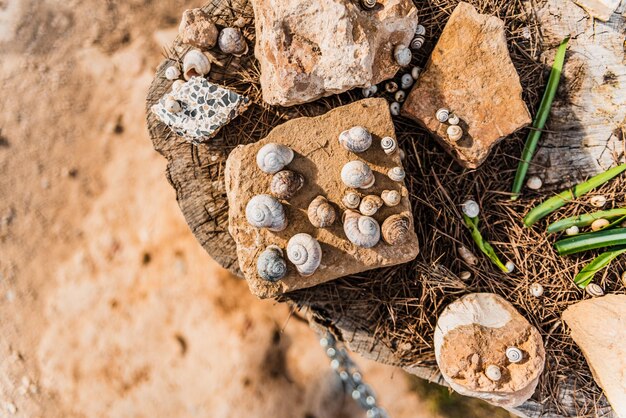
{"x":108,"y":305}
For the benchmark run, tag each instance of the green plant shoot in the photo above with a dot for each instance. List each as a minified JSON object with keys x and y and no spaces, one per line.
{"x":485,"y":247}
{"x":586,"y":219}
{"x":591,"y":241}
{"x":585,"y":276}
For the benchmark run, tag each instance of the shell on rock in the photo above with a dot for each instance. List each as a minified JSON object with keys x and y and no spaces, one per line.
{"x":493,"y":372}
{"x":195,"y":63}
{"x":389,"y":145}
{"x":286,"y":183}
{"x":514,"y":354}
{"x":273,"y":157}
{"x":598,"y":201}
{"x":370,"y":205}
{"x":594,"y":290}
{"x":172,"y":105}
{"x":391,"y":87}
{"x":271,"y":264}
{"x":231,"y":41}
{"x":536,"y":289}
{"x":172,"y":72}
{"x":534,"y":183}
{"x":400,"y":96}
{"x":420,"y":30}
{"x":406,"y":81}
{"x":453,"y":119}
{"x":470,"y":208}
{"x":396,"y":174}
{"x":356,"y":139}
{"x":418,"y":42}
{"x":305,"y":253}
{"x":391,"y":198}
{"x":358,"y":175}
{"x":396,"y":229}
{"x":368,"y":4}
{"x":321,"y":212}
{"x":415,"y":72}
{"x":467,"y":255}
{"x":362,"y":231}
{"x":599,"y":224}
{"x":402,"y":55}
{"x":455,"y":132}
{"x":394,"y":108}
{"x":265,"y":211}
{"x":442,"y":115}
{"x":351,"y":200}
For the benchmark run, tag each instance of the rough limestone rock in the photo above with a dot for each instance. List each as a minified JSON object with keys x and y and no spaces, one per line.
{"x":197,"y":29}
{"x":319,"y":158}
{"x":470,"y":72}
{"x":314,"y":48}
{"x":598,"y":327}
{"x":599,"y":9}
{"x":473,"y":333}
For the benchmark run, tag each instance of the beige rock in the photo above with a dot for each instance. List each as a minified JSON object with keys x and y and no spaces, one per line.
{"x":319,"y":157}
{"x":472,"y":334}
{"x":599,"y":9}
{"x":598,"y":327}
{"x":197,"y":29}
{"x":314,"y":48}
{"x":470,"y":72}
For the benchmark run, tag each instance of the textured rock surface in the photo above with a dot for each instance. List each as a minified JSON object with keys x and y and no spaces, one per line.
{"x":470,"y":72}
{"x":197,"y":29}
{"x":598,"y":327}
{"x":474,"y":332}
{"x":600,"y":9}
{"x":319,"y":157}
{"x":314,"y":48}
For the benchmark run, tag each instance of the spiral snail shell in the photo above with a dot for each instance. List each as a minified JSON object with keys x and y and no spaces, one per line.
{"x":286,"y":183}
{"x":358,"y":175}
{"x":415,"y":72}
{"x":273,"y":157}
{"x":514,"y":354}
{"x":402,"y":55}
{"x":396,"y":229}
{"x":271,"y":264}
{"x":534,"y":183}
{"x":172,"y":105}
{"x":362,"y":231}
{"x":400,"y":96}
{"x":351,"y":200}
{"x":455,"y":132}
{"x":356,"y":139}
{"x":470,"y":208}
{"x":420,"y":30}
{"x":598,"y":201}
{"x":396,"y":174}
{"x":389,"y":145}
{"x":370,"y":91}
{"x":453,"y":119}
{"x":370,"y":205}
{"x":368,"y":4}
{"x":406,"y":81}
{"x":394,"y":108}
{"x":391,"y":198}
{"x":493,"y":372}
{"x":442,"y":115}
{"x":594,"y":290}
{"x":231,"y":41}
{"x":536,"y":289}
{"x":321,"y":212}
{"x":195,"y":63}
{"x":305,"y":253}
{"x":418,"y":42}
{"x":172,"y":72}
{"x":391,"y":87}
{"x":265,"y":211}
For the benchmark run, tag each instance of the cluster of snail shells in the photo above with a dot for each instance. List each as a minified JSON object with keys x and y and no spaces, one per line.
{"x":454,"y":131}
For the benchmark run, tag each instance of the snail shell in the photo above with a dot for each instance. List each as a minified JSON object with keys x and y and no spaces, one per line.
{"x":368,"y":4}
{"x":176,"y":85}
{"x":286,"y":183}
{"x":394,"y":108}
{"x":406,"y":81}
{"x":265,"y":211}
{"x":467,"y":256}
{"x":599,"y":224}
{"x":305,"y":252}
{"x":231,"y":41}
{"x":195,"y":63}
{"x":402,"y":55}
{"x":455,"y":132}
{"x":453,"y":119}
{"x":271,"y":264}
{"x":356,"y":139}
{"x":396,"y":229}
{"x":172,"y":72}
{"x":351,"y":200}
{"x":514,"y":354}
{"x":273,"y":157}
{"x":442,"y":115}
{"x":465,"y":276}
{"x":389,"y":145}
{"x":391,"y":87}
{"x":400,"y":96}
{"x":594,"y":290}
{"x":598,"y":201}
{"x":470,"y":208}
{"x":510,"y":266}
{"x":420,"y":30}
{"x":321,"y":212}
{"x":415,"y":72}
{"x":536,"y":290}
{"x":572,"y":230}
{"x":418,"y":42}
{"x":534,"y":183}
{"x":370,"y":205}
{"x":370,"y":91}
{"x":172,"y":105}
{"x":396,"y":174}
{"x":358,"y":175}
{"x":493,"y":372}
{"x":391,"y":198}
{"x":360,"y":230}
{"x":624,"y":278}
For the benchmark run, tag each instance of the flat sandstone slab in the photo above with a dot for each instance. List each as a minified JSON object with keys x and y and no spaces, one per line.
{"x":319,"y":158}
{"x":470,"y":72}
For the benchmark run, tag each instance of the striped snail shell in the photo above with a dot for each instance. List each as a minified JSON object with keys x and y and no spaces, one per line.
{"x":305,"y":253}
{"x":396,"y":174}
{"x":272,"y":157}
{"x":389,"y":145}
{"x":455,"y":132}
{"x":321,"y":212}
{"x":231,"y":41}
{"x":594,"y":290}
{"x":195,"y":63}
{"x":493,"y":372}
{"x":271,"y":264}
{"x":396,"y":229}
{"x":286,"y":183}
{"x":265,"y":211}
{"x":356,"y":139}
{"x":442,"y":115}
{"x":402,"y":55}
{"x":358,"y":175}
{"x":418,"y":42}
{"x":362,"y":231}
{"x":391,"y":198}
{"x":453,"y":119}
{"x":370,"y":205}
{"x":351,"y":200}
{"x":514,"y":354}
{"x":420,"y":30}
{"x":406,"y":81}
{"x":394,"y":108}
{"x":368,"y":4}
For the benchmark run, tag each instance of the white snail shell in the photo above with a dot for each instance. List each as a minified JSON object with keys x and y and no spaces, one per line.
{"x":467,"y":256}
{"x":599,"y":224}
{"x":442,"y":115}
{"x":176,"y":85}
{"x":536,"y":290}
{"x":321,"y":212}
{"x":514,"y":354}
{"x":271,"y":264}
{"x":273,"y":157}
{"x":231,"y":41}
{"x":598,"y":201}
{"x":594,"y":290}
{"x":391,"y":87}
{"x":368,"y":4}
{"x":534,"y":183}
{"x":362,"y":231}
{"x":370,"y":205}
{"x":470,"y":208}
{"x":356,"y":139}
{"x":406,"y":81}
{"x":465,"y":275}
{"x":172,"y":105}
{"x":420,"y":30}
{"x":394,"y":108}
{"x":396,"y":229}
{"x":415,"y":72}
{"x":391,"y":198}
{"x":265,"y":211}
{"x":195,"y":63}
{"x":358,"y":175}
{"x":286,"y":183}
{"x":305,"y":253}
{"x":396,"y":174}
{"x":453,"y":119}
{"x":510,"y":266}
{"x":351,"y":200}
{"x":172,"y":72}
{"x":389,"y":145}
{"x":493,"y":372}
{"x":455,"y":132}
{"x":418,"y":42}
{"x":370,"y":91}
{"x":402,"y":55}
{"x":400,"y":96}
{"x":572,"y":230}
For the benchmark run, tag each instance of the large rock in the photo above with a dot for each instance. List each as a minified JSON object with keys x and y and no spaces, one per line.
{"x":598,"y":326}
{"x":474,"y":333}
{"x":314,"y":48}
{"x":319,"y":158}
{"x":470,"y":72}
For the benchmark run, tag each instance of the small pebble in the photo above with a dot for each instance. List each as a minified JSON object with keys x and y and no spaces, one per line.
{"x":598,"y":224}
{"x":572,"y":230}
{"x":465,"y":275}
{"x":468,"y":257}
{"x":536,"y":290}
{"x":598,"y":201}
{"x":534,"y":183}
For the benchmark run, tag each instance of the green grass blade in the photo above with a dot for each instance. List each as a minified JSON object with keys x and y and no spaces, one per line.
{"x":585,"y":219}
{"x":591,"y":241}
{"x":556,"y":202}
{"x":484,"y":246}
{"x":540,"y":119}
{"x":585,"y":276}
